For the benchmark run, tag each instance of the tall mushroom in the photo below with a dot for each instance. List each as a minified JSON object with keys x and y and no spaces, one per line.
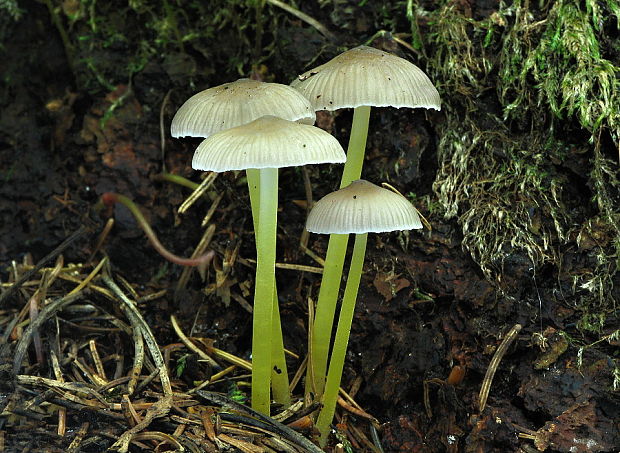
{"x":266,"y":144}
{"x":359,"y":208}
{"x":234,"y":104}
{"x":359,"y":78}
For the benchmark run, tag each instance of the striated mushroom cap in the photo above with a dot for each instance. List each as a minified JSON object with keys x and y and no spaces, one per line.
{"x":362,"y":207}
{"x":236,"y":103}
{"x":367,"y":76}
{"x":268,"y":142}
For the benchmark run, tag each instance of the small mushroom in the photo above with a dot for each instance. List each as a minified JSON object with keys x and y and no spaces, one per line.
{"x":359,"y":208}
{"x":360,"y":78}
{"x":362,"y":207}
{"x":365,"y":76}
{"x":266,"y":144}
{"x":236,"y":103}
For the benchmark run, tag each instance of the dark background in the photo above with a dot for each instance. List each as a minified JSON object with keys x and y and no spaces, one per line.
{"x":517,"y":175}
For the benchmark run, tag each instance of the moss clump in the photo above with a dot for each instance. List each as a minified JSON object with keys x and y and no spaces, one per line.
{"x":533,"y":113}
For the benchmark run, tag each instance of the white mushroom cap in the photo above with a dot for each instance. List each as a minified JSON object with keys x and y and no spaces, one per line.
{"x":362,"y":207}
{"x":367,"y":76}
{"x":236,"y":103}
{"x":268,"y":142}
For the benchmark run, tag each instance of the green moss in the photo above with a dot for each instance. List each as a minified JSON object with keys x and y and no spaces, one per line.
{"x":554,"y":59}
{"x":523,"y":89}
{"x":108,"y":42}
{"x":11,"y":9}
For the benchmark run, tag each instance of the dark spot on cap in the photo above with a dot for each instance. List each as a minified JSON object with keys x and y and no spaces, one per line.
{"x":355,"y":197}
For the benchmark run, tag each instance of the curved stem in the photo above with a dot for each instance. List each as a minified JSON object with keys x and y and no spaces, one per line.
{"x":264,"y":290}
{"x":279,"y":373}
{"x":336,"y":251}
{"x":110,"y":198}
{"x":176,"y":179}
{"x":336,"y":363}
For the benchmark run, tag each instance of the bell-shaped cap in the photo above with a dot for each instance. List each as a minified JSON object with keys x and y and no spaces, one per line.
{"x":237,"y":103}
{"x":367,"y":76}
{"x":362,"y":207}
{"x":268,"y":142}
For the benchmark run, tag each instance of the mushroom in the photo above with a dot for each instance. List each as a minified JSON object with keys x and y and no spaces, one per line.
{"x":266,"y":144}
{"x":360,"y":78}
{"x":236,"y":103}
{"x":359,"y":208}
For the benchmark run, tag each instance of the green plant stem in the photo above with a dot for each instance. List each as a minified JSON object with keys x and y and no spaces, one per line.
{"x":176,"y":179}
{"x":109,"y":198}
{"x":334,"y":261}
{"x":264,"y":290}
{"x":279,"y":371}
{"x":279,"y":374}
{"x":336,"y":364}
{"x":325,"y":309}
{"x":357,"y":146}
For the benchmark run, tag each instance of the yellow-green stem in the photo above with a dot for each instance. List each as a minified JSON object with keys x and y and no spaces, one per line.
{"x":279,"y":372}
{"x":336,"y":363}
{"x":334,"y":261}
{"x":357,"y":146}
{"x":325,"y":309}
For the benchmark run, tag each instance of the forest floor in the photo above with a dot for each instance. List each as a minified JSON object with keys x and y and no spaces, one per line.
{"x":428,"y":322}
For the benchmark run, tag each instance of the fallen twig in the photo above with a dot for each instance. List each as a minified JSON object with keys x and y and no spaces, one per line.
{"x":187,"y":342}
{"x":47,"y":312}
{"x":261,"y":420}
{"x":57,"y":251}
{"x":304,"y":17}
{"x":137,"y":321}
{"x":497,"y":357}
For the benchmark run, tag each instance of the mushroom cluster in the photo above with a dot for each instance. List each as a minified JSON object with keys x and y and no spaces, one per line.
{"x":360,"y":78}
{"x":242,"y":134}
{"x":261,"y":127}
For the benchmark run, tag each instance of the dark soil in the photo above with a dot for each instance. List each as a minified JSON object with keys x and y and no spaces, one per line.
{"x":425,"y":309}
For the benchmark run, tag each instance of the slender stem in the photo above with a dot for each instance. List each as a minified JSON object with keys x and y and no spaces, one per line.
{"x":109,"y":198}
{"x":279,"y":371}
{"x":264,"y":290}
{"x":279,"y":374}
{"x":253,"y":177}
{"x":334,"y":262}
{"x":341,"y":340}
{"x":325,"y":309}
{"x":357,"y":146}
{"x":176,"y":179}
